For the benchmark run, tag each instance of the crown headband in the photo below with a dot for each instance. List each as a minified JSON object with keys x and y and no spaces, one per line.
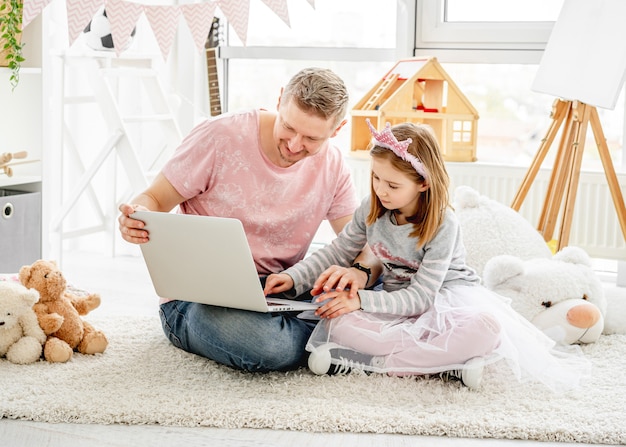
{"x":387,"y":139}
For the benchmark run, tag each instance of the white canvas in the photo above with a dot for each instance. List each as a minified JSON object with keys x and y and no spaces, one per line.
{"x":585,"y":58}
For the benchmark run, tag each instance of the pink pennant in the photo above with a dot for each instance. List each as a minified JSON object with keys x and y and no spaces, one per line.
{"x":31,"y":9}
{"x":237,"y":13}
{"x":123,"y":17}
{"x":199,"y":17}
{"x":79,"y":13}
{"x":164,"y":21}
{"x":280,"y":8}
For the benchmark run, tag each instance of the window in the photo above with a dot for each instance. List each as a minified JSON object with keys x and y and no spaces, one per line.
{"x":355,"y":38}
{"x":330,"y":24}
{"x":494,"y":31}
{"x":490,"y":48}
{"x":499,"y":11}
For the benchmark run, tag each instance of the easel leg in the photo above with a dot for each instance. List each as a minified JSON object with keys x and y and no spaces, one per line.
{"x":577,"y":150}
{"x":558,"y":177}
{"x":559,"y":111}
{"x":566,"y":171}
{"x":609,"y":170}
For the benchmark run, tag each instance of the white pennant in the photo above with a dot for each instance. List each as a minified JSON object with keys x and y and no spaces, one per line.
{"x":280,"y":8}
{"x":31,"y":9}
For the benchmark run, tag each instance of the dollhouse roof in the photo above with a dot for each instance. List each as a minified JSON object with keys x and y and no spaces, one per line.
{"x":417,"y":84}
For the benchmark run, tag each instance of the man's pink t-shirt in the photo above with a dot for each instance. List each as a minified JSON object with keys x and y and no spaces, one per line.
{"x":221,"y":170}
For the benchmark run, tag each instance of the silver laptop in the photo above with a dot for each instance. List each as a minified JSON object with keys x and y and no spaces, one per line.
{"x":206,"y":260}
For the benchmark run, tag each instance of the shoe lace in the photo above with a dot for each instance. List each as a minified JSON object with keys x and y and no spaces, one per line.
{"x":345,"y":365}
{"x":453,"y":374}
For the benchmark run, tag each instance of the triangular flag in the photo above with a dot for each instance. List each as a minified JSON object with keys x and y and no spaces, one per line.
{"x":79,"y":14}
{"x":164,"y":21}
{"x":280,"y":8}
{"x":237,"y":14}
{"x":199,"y":18}
{"x":123,"y":17}
{"x":312,"y":3}
{"x":31,"y":9}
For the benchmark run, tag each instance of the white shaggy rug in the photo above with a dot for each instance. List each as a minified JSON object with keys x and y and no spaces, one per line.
{"x":142,"y":379}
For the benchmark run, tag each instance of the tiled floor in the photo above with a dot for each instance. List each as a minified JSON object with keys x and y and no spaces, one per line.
{"x":125,"y":287}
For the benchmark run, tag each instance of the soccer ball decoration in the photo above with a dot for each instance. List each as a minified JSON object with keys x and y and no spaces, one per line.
{"x":97,"y":33}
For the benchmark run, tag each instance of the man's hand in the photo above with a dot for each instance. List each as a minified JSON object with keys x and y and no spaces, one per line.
{"x":132,"y":229}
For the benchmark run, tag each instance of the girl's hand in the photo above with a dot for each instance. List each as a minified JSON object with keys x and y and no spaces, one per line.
{"x":339,"y":303}
{"x":277,"y":282}
{"x":340,"y":278}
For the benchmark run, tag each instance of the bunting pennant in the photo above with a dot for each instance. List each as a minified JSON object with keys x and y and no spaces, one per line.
{"x":163,"y":21}
{"x":79,"y":14}
{"x":123,"y":17}
{"x":31,"y":9}
{"x":199,"y":18}
{"x":280,"y":8}
{"x":237,"y":13}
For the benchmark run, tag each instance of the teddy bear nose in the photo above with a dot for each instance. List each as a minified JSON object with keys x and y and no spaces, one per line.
{"x":583,"y":316}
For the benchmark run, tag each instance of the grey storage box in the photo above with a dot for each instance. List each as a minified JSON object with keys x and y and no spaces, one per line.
{"x":20,"y":229}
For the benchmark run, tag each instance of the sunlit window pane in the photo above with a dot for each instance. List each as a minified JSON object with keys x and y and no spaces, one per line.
{"x":514,"y":119}
{"x":332,"y":23}
{"x":502,"y":11}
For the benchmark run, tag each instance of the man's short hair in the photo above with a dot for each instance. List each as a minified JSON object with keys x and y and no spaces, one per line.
{"x":319,"y":91}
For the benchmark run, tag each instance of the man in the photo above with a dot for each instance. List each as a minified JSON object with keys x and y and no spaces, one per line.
{"x":279,"y":175}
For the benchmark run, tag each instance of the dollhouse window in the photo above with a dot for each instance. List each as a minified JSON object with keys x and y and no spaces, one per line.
{"x":462,"y":132}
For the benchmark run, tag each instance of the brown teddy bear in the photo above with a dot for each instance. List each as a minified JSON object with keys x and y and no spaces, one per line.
{"x":59,"y":313}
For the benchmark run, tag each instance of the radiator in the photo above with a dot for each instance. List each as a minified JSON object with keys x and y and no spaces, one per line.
{"x":595,"y":225}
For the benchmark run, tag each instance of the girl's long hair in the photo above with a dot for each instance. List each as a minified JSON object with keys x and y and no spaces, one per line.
{"x":433,"y":202}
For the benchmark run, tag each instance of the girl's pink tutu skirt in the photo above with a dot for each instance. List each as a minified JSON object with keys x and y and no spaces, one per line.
{"x":464,"y":323}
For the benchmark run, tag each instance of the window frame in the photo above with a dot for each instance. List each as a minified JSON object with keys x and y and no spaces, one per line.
{"x":477,"y":42}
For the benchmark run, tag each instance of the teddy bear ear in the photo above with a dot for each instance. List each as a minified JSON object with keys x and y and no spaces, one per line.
{"x":573,"y":255}
{"x":466,"y":197}
{"x":30,"y":296}
{"x":500,"y":269}
{"x":24,"y":274}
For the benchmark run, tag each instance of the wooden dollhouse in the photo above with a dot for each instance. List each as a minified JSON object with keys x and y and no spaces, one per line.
{"x":420,"y":91}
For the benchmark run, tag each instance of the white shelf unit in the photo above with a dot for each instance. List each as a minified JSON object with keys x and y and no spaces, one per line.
{"x":21,"y":128}
{"x":112,"y":127}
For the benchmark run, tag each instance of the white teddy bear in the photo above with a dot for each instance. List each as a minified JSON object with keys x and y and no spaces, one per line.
{"x":491,"y":228}
{"x":530,"y":276}
{"x":561,"y":295}
{"x":21,"y":337}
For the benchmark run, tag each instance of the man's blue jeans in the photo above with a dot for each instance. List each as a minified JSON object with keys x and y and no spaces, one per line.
{"x":251,"y":341}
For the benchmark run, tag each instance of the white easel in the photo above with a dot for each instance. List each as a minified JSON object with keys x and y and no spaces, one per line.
{"x":585,"y":62}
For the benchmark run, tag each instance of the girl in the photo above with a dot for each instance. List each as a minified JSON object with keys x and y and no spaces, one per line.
{"x":431,"y":315}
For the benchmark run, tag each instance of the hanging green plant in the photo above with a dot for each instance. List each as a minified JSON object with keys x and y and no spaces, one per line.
{"x":10,"y":38}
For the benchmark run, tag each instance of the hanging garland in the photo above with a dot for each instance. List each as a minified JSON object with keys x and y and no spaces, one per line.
{"x":123,"y":16}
